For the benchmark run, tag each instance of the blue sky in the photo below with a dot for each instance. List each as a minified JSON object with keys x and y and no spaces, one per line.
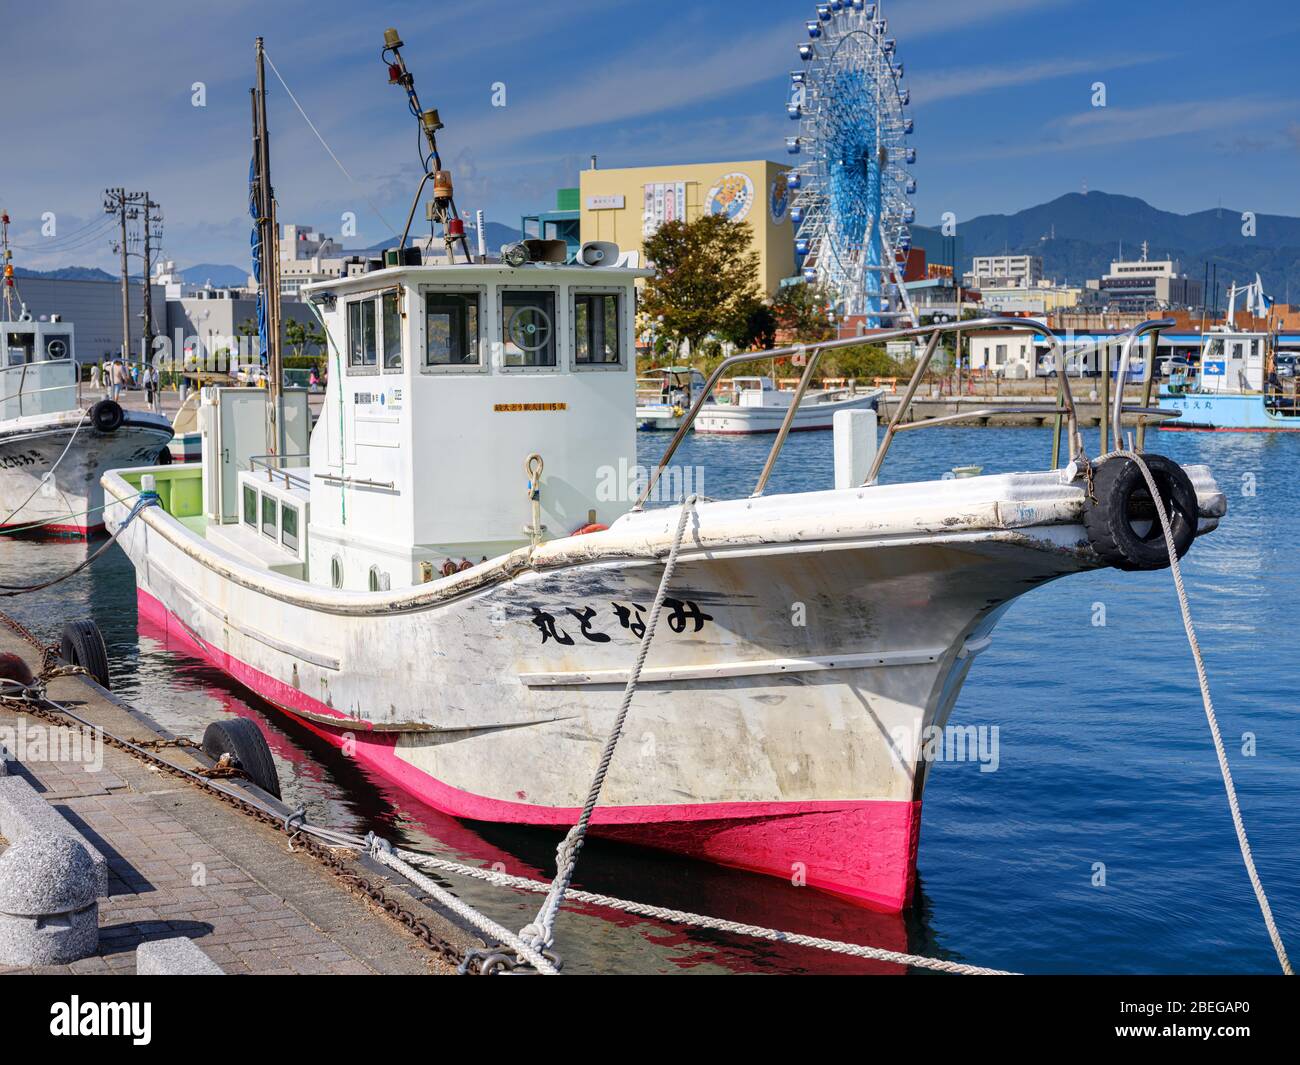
{"x":1203,"y":105}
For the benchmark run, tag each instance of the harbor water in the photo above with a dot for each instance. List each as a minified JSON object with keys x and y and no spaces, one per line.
{"x":1088,"y":832}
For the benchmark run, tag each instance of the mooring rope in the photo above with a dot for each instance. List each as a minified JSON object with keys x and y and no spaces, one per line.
{"x":696,"y":920}
{"x":8,"y":591}
{"x":1203,"y":680}
{"x":541,"y":932}
{"x":382,"y":851}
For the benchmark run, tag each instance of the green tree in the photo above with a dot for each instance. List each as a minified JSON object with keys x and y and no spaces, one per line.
{"x":706,"y":279}
{"x":756,"y":328}
{"x":301,"y":335}
{"x":803,"y":312}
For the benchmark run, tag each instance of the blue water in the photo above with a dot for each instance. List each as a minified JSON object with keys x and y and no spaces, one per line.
{"x":1104,"y":755}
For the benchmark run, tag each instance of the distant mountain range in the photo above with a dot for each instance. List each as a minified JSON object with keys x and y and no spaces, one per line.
{"x":1079,"y":235}
{"x":67,"y":273}
{"x":221,"y":276}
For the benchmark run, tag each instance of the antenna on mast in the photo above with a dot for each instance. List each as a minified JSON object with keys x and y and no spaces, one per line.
{"x":442,"y":210}
{"x":8,"y":267}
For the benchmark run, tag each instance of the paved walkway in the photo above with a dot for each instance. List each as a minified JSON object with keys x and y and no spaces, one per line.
{"x":184,"y":863}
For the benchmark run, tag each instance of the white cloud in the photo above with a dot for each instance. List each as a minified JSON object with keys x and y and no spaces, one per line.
{"x":932,"y":87}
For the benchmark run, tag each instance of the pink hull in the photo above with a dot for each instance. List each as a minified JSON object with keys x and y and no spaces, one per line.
{"x":864,"y":851}
{"x":75,"y":532}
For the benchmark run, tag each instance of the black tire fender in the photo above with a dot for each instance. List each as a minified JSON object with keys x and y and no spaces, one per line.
{"x":248,"y":749}
{"x":82,"y":644}
{"x":107,"y":416}
{"x":1120,"y":517}
{"x":164,"y":457}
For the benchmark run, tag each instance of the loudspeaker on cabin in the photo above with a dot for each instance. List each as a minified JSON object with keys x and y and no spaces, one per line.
{"x":597,"y":253}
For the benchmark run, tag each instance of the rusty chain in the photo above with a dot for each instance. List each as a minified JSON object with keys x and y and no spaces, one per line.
{"x":53,"y":667}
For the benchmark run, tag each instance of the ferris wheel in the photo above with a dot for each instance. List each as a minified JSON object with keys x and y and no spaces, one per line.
{"x":850,"y":184}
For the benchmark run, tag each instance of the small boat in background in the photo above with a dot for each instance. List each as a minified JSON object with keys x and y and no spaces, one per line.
{"x":757,"y":406}
{"x":187,"y":443}
{"x":52,"y":450}
{"x":664,"y":395}
{"x":1238,"y":388}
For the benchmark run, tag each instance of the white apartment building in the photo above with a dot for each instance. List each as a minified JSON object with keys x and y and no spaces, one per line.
{"x":1005,"y":271}
{"x":1148,"y":285}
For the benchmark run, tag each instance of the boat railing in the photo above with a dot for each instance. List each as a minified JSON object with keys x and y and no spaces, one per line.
{"x":282,"y":466}
{"x":1064,"y":410}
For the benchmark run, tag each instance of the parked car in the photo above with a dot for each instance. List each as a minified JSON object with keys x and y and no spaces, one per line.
{"x":1288,"y":365}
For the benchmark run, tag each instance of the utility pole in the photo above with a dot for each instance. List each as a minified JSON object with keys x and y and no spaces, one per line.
{"x":150,"y":218}
{"x":126,"y":206}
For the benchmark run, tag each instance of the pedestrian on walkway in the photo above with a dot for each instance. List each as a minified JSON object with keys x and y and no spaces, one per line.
{"x":120,"y":380}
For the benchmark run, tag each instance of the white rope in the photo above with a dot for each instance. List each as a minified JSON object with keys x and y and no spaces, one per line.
{"x":541,"y":932}
{"x":383,"y":853}
{"x":1204,"y":682}
{"x":696,"y":920}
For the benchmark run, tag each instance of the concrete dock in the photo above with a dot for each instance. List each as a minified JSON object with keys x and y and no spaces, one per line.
{"x":184,"y":863}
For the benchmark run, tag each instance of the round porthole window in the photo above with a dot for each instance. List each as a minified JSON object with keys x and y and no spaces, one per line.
{"x":336,"y":572}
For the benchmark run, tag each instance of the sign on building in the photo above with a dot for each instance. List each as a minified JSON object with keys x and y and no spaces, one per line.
{"x":665,"y":201}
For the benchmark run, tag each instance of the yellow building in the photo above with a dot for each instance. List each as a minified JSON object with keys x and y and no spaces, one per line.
{"x":627,"y":205}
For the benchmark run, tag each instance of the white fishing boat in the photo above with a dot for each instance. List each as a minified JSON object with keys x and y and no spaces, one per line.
{"x":758,"y":406}
{"x":664,"y":395}
{"x":1237,"y":388}
{"x":53,"y":450}
{"x":454,"y":579}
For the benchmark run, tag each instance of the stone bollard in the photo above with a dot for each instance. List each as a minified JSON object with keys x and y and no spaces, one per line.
{"x":49,"y":913}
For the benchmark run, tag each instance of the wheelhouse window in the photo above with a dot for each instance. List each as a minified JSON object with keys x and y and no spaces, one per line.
{"x":58,"y":347}
{"x":392,"y":331}
{"x":250,"y":506}
{"x":528,"y":327}
{"x":595,"y":329}
{"x":362,"y":341}
{"x":270,"y":526}
{"x":289,"y":528}
{"x":451,"y":329}
{"x":19,"y":348}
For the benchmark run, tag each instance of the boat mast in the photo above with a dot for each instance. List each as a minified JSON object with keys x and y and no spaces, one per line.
{"x":9,"y":315}
{"x":263,"y":198}
{"x":442,"y":209}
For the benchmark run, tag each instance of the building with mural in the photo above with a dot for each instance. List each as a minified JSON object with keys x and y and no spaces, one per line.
{"x":627,"y":205}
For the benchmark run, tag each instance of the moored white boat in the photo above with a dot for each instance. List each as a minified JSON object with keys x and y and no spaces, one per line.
{"x":453,"y":582}
{"x":53,"y":450}
{"x":757,"y":406}
{"x":349,"y":592}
